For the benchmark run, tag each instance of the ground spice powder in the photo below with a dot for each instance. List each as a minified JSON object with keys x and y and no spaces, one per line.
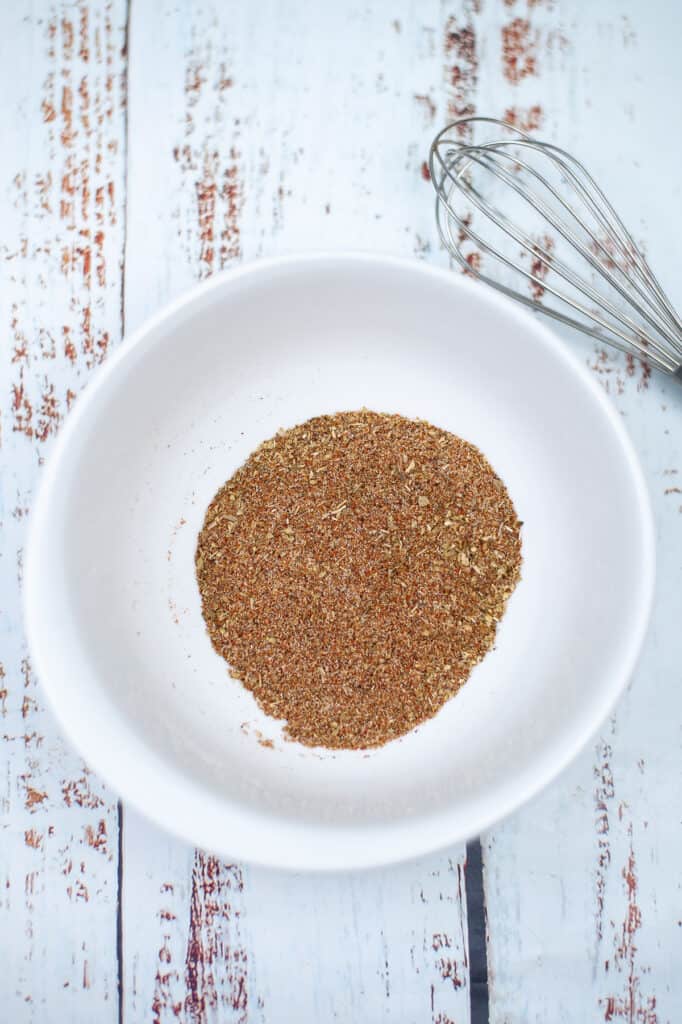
{"x":353,"y":571}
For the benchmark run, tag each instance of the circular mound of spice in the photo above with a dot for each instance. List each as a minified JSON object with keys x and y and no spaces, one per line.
{"x":353,"y":571}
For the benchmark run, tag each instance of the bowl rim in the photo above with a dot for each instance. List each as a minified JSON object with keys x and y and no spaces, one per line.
{"x":347,"y":847}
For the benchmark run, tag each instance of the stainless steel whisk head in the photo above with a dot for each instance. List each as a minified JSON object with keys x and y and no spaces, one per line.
{"x":517,"y":212}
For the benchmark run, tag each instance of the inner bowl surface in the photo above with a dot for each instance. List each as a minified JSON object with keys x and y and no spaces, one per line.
{"x":113,"y":609}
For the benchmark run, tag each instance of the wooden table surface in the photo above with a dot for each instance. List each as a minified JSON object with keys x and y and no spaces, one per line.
{"x":146,"y":145}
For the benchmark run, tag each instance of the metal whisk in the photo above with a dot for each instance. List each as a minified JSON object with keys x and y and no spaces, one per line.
{"x":511,"y":207}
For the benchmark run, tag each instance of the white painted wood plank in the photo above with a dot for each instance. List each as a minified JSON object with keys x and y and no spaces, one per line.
{"x":378,"y":946}
{"x":226,"y":942}
{"x":62,"y":71}
{"x":583,"y":886}
{"x":227,"y":102}
{"x":243,"y":143}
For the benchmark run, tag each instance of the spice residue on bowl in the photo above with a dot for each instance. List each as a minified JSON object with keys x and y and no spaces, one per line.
{"x":353,"y":572}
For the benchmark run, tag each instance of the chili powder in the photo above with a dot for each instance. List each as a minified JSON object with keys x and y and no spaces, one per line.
{"x":353,"y":572}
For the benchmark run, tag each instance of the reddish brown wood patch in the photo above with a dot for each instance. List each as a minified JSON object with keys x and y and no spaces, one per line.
{"x":632,"y":1005}
{"x":216,"y":962}
{"x":209,"y":171}
{"x":520,"y":43}
{"x":528,"y":119}
{"x":461,"y":65}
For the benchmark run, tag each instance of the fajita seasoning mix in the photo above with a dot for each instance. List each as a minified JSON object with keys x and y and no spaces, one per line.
{"x":353,"y":571}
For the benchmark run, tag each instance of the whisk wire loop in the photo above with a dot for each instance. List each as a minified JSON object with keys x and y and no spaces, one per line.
{"x":600,"y":274}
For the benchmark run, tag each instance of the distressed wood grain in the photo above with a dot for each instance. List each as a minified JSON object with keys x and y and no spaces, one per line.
{"x":222,"y":942}
{"x":584,"y":930}
{"x":233,"y":154}
{"x":61,"y":187}
{"x":396,"y":951}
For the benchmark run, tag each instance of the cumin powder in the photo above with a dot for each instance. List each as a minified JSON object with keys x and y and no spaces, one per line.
{"x":353,"y":571}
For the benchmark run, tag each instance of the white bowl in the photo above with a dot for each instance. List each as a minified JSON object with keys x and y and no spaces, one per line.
{"x":112,"y":605}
